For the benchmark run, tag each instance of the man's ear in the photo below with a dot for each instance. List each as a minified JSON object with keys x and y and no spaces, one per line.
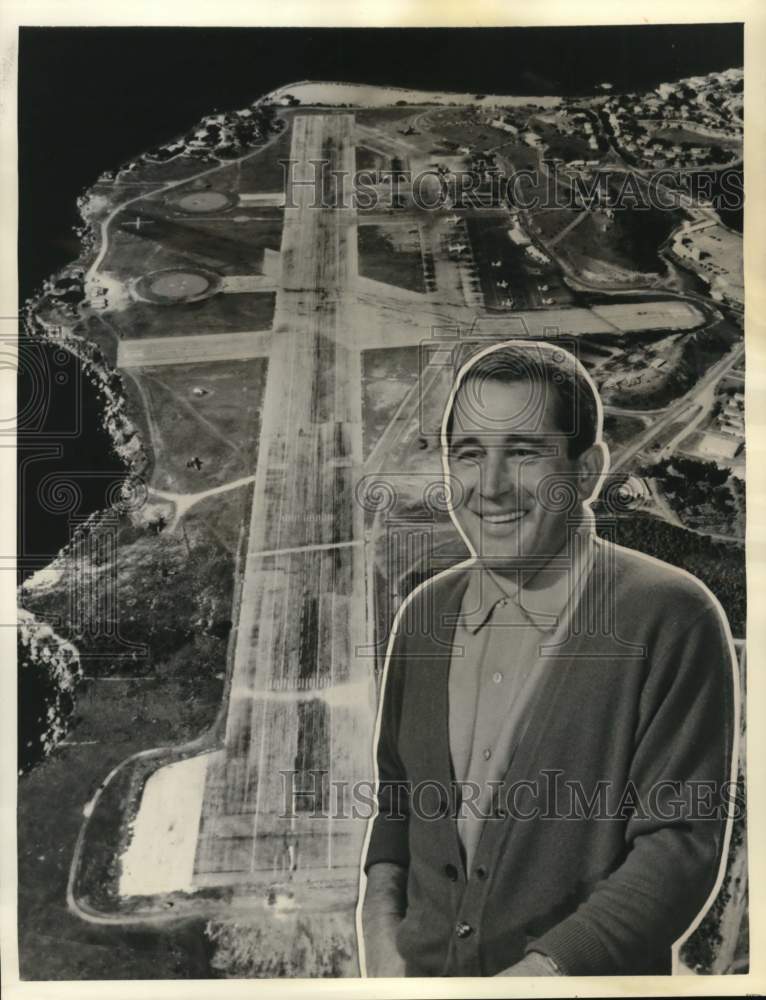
{"x":592,"y":464}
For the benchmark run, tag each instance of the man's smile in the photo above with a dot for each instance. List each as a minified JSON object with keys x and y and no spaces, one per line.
{"x":501,"y":517}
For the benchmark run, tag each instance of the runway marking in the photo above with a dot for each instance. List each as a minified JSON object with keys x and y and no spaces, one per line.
{"x":322,"y":547}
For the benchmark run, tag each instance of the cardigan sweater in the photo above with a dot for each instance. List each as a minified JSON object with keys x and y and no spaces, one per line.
{"x":608,"y":835}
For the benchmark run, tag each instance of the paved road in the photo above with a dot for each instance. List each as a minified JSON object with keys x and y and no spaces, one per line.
{"x":716,"y":372}
{"x":195,"y":348}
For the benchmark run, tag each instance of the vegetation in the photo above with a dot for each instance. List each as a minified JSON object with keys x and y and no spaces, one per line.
{"x":218,"y":314}
{"x":629,"y":240}
{"x":701,"y":950}
{"x":306,"y":946}
{"x":48,"y":674}
{"x":618,"y":429}
{"x":263,"y":172}
{"x":138,"y":599}
{"x":112,"y":721}
{"x":698,"y":351}
{"x":705,"y":495}
{"x":387,"y":374}
{"x":720,"y":565}
{"x":220,"y":425}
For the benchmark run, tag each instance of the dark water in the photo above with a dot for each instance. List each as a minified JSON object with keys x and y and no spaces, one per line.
{"x":66,"y":466}
{"x":91,"y":99}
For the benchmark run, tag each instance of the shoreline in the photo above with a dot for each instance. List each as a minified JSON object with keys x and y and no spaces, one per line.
{"x":317,"y":92}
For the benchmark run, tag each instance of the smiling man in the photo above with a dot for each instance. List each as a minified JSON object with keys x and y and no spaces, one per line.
{"x":556,"y":731}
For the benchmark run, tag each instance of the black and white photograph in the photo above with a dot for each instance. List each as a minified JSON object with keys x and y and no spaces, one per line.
{"x":380,"y":506}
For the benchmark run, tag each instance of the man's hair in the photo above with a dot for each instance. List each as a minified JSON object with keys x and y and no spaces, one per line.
{"x":555,"y":371}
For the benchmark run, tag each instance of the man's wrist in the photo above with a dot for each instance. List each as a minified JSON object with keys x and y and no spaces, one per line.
{"x":534,"y":963}
{"x":550,"y":963}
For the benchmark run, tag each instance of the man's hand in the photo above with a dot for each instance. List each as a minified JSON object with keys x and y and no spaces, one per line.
{"x":381,"y":954}
{"x":533,"y":964}
{"x":385,"y":904}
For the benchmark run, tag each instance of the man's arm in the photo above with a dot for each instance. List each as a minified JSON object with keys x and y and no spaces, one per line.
{"x":387,"y":859}
{"x":385,"y":903}
{"x":685,"y":735}
{"x":389,"y":839}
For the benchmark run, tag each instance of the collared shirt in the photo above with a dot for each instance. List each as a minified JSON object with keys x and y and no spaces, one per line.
{"x":497,"y":663}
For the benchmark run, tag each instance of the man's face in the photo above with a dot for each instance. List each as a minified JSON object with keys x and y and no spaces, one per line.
{"x":508,"y":452}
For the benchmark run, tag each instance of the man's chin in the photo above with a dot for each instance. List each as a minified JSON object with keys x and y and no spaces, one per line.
{"x":502,"y":562}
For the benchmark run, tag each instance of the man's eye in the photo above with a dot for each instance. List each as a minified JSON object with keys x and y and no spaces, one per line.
{"x":467,"y":455}
{"x":522,"y":452}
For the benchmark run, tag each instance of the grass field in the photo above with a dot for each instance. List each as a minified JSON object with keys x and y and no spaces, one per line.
{"x":383,"y":116}
{"x":629,"y":240}
{"x":257,"y":228}
{"x":221,"y":313}
{"x":263,"y":173}
{"x":387,"y":375}
{"x":393,"y":254}
{"x":170,"y":170}
{"x":567,"y":147}
{"x":223,"y":178}
{"x":220,"y":428}
{"x":131,"y":255}
{"x":619,"y":430}
{"x":514,"y":156}
{"x":679,"y":134}
{"x":550,"y":221}
{"x":228,"y":247}
{"x":467,"y":127}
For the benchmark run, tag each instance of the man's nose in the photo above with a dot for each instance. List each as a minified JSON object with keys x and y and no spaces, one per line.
{"x":495,"y":477}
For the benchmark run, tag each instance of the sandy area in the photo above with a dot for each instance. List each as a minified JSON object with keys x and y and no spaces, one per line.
{"x":160,"y":856}
{"x":364,"y":95}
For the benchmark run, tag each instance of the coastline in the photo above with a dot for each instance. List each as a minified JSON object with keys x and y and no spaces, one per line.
{"x":374,"y":96}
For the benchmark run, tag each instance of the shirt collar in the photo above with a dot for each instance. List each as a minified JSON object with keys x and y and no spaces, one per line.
{"x":540,"y":601}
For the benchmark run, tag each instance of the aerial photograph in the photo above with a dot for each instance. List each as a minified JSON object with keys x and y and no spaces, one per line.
{"x":252,"y":263}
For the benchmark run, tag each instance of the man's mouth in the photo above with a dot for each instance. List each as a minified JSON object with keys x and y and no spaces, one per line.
{"x":504,"y":518}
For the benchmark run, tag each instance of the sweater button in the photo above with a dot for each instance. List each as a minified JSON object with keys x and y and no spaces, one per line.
{"x":451,"y":872}
{"x":482,"y":871}
{"x":462,"y":929}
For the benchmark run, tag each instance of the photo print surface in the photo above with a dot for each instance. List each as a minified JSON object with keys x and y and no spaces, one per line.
{"x":381,"y":427}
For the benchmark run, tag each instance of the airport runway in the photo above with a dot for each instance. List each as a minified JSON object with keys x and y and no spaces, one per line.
{"x":301,"y":701}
